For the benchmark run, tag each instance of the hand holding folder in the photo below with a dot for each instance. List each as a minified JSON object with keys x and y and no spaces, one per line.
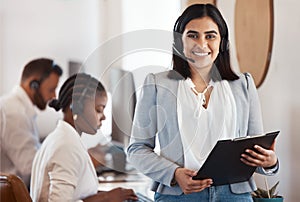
{"x":223,"y":164}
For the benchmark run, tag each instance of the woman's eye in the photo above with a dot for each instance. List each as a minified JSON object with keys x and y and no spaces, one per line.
{"x":193,"y":36}
{"x":210,"y":36}
{"x":99,"y":110}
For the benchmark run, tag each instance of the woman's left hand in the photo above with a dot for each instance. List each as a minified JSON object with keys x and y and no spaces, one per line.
{"x":260,"y":157}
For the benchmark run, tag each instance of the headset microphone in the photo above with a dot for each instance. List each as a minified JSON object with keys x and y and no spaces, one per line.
{"x":77,"y":106}
{"x":77,"y":110}
{"x":189,"y":59}
{"x":88,"y":123}
{"x":178,"y":53}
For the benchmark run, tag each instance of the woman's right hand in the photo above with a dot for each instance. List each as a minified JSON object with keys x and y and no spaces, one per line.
{"x":183,"y":177}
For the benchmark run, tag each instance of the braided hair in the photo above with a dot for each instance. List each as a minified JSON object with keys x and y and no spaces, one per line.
{"x":76,"y":89}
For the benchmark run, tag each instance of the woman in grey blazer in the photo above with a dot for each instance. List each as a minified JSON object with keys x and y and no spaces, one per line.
{"x":190,"y":108}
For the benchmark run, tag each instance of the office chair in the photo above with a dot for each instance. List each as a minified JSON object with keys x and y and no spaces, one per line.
{"x":13,"y":189}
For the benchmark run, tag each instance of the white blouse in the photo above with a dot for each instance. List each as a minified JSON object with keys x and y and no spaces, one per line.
{"x":200,"y":128}
{"x":62,"y":169}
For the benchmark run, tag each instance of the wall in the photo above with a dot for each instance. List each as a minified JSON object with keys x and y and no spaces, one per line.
{"x":59,"y":29}
{"x":280,"y":98}
{"x":143,"y":17}
{"x":279,"y":95}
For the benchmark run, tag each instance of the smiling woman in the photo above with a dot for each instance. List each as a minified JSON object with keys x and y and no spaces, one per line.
{"x":193,"y":106}
{"x":201,"y":41}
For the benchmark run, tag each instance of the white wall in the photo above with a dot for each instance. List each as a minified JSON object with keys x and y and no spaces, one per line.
{"x":279,"y":95}
{"x":140,"y":16}
{"x":59,"y":29}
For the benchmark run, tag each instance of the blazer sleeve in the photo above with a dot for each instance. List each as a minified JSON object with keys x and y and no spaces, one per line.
{"x":144,"y":130}
{"x":255,"y":124}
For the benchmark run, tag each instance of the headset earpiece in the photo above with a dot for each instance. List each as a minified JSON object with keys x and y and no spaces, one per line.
{"x":177,"y":44}
{"x":34,"y":84}
{"x":76,"y":107}
{"x":177,"y":37}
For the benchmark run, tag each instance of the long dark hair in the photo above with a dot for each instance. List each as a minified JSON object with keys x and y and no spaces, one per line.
{"x":221,"y":65}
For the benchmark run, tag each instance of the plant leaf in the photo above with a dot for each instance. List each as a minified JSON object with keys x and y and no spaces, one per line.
{"x":273,"y":189}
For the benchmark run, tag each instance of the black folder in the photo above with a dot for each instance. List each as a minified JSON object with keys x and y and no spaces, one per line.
{"x":223,"y":164}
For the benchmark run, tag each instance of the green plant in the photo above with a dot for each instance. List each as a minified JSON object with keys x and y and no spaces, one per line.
{"x":266,"y":193}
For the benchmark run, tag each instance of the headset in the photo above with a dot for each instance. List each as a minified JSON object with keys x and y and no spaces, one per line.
{"x":177,"y":43}
{"x":77,"y":105}
{"x":35,"y":84}
{"x":224,"y":45}
{"x":178,"y":49}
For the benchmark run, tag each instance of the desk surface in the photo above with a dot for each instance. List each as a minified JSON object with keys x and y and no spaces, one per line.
{"x":136,"y":181}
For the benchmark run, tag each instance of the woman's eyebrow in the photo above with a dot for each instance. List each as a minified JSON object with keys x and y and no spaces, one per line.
{"x":207,"y":32}
{"x":211,"y":32}
{"x":192,"y":32}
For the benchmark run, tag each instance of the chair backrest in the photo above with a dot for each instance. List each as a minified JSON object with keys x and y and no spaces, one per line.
{"x":13,"y":189}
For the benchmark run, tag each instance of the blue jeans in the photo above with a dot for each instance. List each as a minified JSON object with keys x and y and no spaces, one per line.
{"x":211,"y":194}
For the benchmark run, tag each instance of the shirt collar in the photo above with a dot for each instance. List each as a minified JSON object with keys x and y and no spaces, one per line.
{"x":189,"y":81}
{"x":70,"y":130}
{"x":23,"y":96}
{"x":191,"y":84}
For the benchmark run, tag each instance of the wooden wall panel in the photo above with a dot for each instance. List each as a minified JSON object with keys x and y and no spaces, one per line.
{"x":254,"y":36}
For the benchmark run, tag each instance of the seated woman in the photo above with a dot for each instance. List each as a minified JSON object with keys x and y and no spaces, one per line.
{"x":62,"y":169}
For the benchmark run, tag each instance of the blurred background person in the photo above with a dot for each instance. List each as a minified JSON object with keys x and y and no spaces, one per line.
{"x":19,"y":135}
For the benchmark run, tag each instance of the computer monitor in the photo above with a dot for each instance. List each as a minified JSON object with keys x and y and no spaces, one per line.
{"x":122,"y":89}
{"x":125,"y":87}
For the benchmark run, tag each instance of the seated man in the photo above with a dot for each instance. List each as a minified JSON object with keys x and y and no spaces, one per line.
{"x":18,"y":132}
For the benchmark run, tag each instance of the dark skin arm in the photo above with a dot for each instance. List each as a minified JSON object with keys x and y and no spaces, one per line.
{"x":115,"y":195}
{"x":97,"y":155}
{"x":95,"y":162}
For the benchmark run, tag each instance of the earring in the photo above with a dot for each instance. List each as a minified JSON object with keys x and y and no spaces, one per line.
{"x":75,"y":117}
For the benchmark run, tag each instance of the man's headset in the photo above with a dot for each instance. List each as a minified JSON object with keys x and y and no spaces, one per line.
{"x":35,"y":84}
{"x":77,"y":106}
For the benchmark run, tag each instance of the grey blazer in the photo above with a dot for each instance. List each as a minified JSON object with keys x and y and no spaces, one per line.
{"x":156,"y":115}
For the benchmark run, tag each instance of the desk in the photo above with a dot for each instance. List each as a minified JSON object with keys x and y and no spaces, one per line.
{"x":136,"y":181}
